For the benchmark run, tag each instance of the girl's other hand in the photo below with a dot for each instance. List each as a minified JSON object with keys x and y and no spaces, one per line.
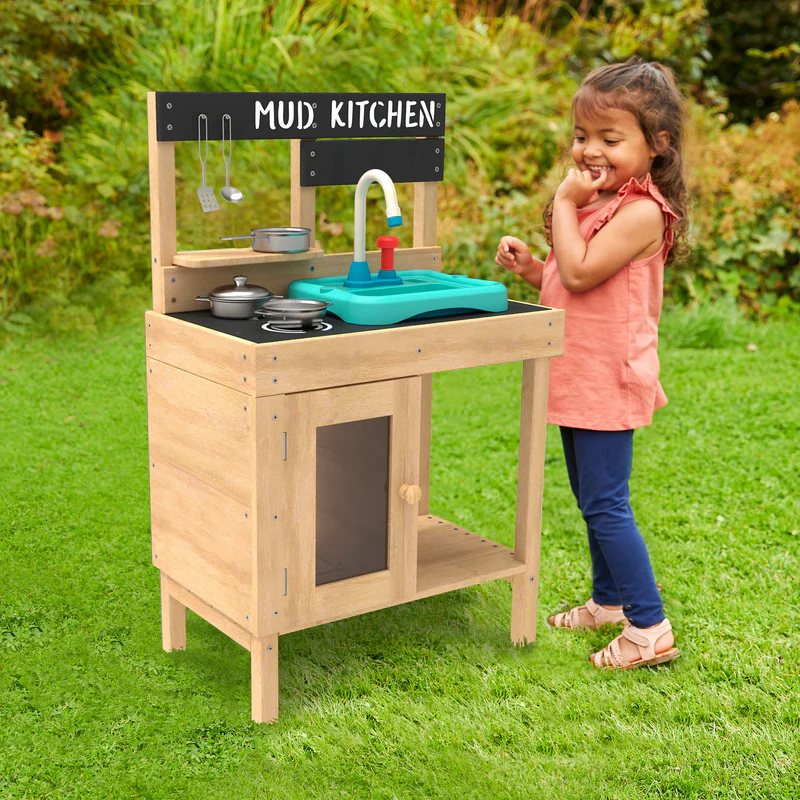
{"x":580,"y":188}
{"x":514,"y":255}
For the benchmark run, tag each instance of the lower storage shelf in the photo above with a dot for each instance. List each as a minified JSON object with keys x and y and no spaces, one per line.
{"x":451,"y":557}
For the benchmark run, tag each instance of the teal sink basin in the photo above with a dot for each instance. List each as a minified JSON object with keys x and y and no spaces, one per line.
{"x":424,"y":293}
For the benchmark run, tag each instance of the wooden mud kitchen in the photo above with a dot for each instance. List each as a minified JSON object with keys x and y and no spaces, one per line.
{"x":290,"y":460}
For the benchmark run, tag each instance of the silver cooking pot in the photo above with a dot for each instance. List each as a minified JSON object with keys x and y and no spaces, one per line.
{"x":276,"y":240}
{"x":237,"y":300}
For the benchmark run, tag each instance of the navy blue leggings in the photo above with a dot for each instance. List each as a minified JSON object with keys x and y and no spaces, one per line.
{"x":599,"y":467}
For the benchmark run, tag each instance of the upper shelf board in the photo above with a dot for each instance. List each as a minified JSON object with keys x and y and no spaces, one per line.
{"x":238,"y":256}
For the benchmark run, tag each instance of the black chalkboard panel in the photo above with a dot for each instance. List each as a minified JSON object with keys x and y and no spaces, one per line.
{"x":298,"y":115}
{"x":340,"y":163}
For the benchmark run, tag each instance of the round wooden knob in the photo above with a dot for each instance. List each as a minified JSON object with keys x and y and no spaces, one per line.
{"x":410,"y":493}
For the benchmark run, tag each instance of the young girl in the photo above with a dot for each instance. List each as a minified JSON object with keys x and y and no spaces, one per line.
{"x":612,"y":224}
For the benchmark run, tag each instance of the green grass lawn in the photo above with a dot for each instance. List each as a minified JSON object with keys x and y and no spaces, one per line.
{"x":426,"y":700}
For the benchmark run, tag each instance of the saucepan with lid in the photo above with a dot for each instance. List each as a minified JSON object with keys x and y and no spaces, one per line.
{"x":276,"y":240}
{"x":237,"y":300}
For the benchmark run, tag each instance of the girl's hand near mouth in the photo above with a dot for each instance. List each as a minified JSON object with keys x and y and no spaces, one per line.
{"x":580,"y":188}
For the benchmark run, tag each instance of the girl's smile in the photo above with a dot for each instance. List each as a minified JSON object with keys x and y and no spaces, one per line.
{"x":610,"y":142}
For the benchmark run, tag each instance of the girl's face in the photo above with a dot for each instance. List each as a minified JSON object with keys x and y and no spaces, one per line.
{"x":611,"y":143}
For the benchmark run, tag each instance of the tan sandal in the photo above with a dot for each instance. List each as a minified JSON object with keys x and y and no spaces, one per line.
{"x":598,"y":617}
{"x":645,"y":639}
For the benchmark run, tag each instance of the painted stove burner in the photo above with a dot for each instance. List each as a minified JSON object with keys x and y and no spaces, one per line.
{"x":294,"y":326}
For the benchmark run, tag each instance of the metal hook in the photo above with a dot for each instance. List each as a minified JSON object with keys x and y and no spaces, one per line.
{"x":227,"y":159}
{"x":199,"y":140}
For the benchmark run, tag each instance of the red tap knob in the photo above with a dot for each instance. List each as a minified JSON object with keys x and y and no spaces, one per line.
{"x":387,"y":245}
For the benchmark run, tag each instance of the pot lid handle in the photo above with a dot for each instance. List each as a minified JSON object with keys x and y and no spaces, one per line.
{"x":240,"y":281}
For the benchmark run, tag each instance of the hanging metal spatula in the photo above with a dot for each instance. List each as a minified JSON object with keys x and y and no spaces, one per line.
{"x":208,"y":200}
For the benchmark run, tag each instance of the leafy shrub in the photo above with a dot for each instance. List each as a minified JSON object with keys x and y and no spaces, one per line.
{"x":26,"y":160}
{"x":745,"y":184}
{"x":756,"y":54}
{"x":704,"y":325}
{"x":45,"y":49}
{"x":509,"y":85}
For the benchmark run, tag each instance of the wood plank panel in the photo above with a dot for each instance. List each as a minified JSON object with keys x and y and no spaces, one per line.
{"x":202,"y":539}
{"x":189,"y":600}
{"x":376,"y":355}
{"x":238,"y":257}
{"x":484,"y":567}
{"x":202,"y":428}
{"x":352,"y":403}
{"x":299,"y":510}
{"x":219,"y":358}
{"x":270,"y":491}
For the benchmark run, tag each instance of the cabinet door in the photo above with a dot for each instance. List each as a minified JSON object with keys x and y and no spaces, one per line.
{"x":351,"y":536}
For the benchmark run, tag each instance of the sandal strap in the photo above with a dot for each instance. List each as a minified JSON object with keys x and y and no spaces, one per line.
{"x":602,"y":616}
{"x":615,"y":657}
{"x":645,"y":639}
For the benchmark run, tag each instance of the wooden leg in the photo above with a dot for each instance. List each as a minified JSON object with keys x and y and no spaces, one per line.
{"x":523,"y":610}
{"x":173,"y":619}
{"x":530,"y":484}
{"x":264,"y":677}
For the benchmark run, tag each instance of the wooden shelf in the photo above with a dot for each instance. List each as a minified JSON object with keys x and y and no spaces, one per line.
{"x":451,"y":557}
{"x":238,"y":256}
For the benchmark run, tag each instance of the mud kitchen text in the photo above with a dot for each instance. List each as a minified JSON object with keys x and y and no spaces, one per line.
{"x":350,"y":115}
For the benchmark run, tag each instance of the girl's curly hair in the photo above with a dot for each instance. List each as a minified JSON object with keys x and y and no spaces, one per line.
{"x":650,"y":92}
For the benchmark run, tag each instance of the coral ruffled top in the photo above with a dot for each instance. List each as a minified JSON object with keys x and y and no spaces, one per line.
{"x":607,"y":379}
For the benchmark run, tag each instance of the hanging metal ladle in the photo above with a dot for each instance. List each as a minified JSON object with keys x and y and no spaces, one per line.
{"x":228,"y":192}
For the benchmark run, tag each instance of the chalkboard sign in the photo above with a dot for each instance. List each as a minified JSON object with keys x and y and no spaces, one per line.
{"x":298,"y":115}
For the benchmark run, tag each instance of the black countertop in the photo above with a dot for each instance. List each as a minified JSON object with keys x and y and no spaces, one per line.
{"x":252,"y":330}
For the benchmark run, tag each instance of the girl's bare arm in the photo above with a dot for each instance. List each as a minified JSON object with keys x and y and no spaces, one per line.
{"x":635,"y":231}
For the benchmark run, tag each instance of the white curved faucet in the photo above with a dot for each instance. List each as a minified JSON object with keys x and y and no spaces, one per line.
{"x":359,"y":269}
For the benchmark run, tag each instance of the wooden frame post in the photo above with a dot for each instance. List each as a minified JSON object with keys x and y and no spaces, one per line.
{"x":264,"y":677}
{"x":173,"y":619}
{"x":304,"y":198}
{"x":530,"y":486}
{"x":425,"y":200}
{"x":163,"y":206}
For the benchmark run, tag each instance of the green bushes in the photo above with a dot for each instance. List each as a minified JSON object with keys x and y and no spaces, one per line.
{"x":509,"y":87}
{"x":745,"y":184}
